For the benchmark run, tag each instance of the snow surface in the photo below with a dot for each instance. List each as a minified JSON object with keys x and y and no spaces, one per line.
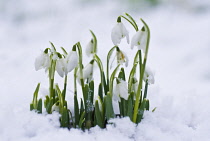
{"x":179,"y":54}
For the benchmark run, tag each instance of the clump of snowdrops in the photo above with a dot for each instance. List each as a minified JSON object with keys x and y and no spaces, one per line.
{"x":96,"y":106}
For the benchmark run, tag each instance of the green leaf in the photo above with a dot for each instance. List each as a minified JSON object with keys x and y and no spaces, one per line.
{"x":81,"y":108}
{"x":112,"y":79}
{"x":98,"y":115}
{"x":147,"y":105}
{"x":109,"y":107}
{"x":76,"y":111}
{"x":47,"y":100}
{"x":122,"y":74}
{"x":65,"y":117}
{"x":141,"y":111}
{"x":94,"y":41}
{"x":49,"y":106}
{"x":130,"y":107}
{"x":35,"y":96}
{"x":81,"y":120}
{"x":131,"y":77}
{"x":145,"y":90}
{"x":39,"y":106}
{"x":100,"y":91}
{"x":154,"y":109}
{"x":91,"y":91}
{"x":31,"y":107}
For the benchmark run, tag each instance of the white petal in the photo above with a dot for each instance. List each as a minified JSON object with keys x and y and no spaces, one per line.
{"x":139,"y":40}
{"x":116,"y":93}
{"x":60,"y":67}
{"x":135,"y":39}
{"x":89,"y":49}
{"x":124,"y":32}
{"x":126,"y":58}
{"x":148,"y":75}
{"x":72,"y":61}
{"x":123,"y":89}
{"x":116,"y":34}
{"x":88,"y":71}
{"x":42,"y":61}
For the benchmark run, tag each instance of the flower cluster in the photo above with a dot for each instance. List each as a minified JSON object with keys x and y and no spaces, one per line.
{"x":130,"y":92}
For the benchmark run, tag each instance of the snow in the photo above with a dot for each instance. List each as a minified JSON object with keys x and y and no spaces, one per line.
{"x":179,"y":54}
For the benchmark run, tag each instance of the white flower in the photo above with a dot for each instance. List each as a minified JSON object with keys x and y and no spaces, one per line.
{"x":67,"y":64}
{"x":87,"y":72}
{"x":90,"y":48}
{"x":42,"y":61}
{"x":118,"y":32}
{"x":139,"y":40}
{"x":135,"y":84}
{"x":149,"y":76}
{"x":120,"y":90}
{"x":122,"y":58}
{"x":55,"y":108}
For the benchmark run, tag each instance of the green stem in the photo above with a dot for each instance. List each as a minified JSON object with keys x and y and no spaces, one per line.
{"x":136,"y":106}
{"x":112,"y":80}
{"x":64,"y":89}
{"x":100,"y":65}
{"x":75,"y":81}
{"x":107,"y":65}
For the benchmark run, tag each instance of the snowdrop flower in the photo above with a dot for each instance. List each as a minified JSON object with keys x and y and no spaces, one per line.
{"x":118,"y":32}
{"x":90,"y":48}
{"x":55,"y":107}
{"x":139,"y":40}
{"x":87,"y":72}
{"x":42,"y":61}
{"x":122,"y":57}
{"x":67,"y":64}
{"x":135,"y":84}
{"x":149,"y":76}
{"x":120,"y":90}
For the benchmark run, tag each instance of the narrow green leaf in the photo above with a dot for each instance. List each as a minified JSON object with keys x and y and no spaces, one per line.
{"x":130,"y":107}
{"x":49,"y":106}
{"x":65,"y":118}
{"x":145,"y":90}
{"x":91,"y":91}
{"x":98,"y":115}
{"x":47,"y":100}
{"x":122,"y":74}
{"x":147,"y":105}
{"x":36,"y":95}
{"x":109,"y":107}
{"x":100,"y":91}
{"x":76,"y":110}
{"x":81,"y":108}
{"x":141,"y":111}
{"x":39,"y":106}
{"x":94,"y":41}
{"x":154,"y":109}
{"x":81,"y":120}
{"x":31,"y":107}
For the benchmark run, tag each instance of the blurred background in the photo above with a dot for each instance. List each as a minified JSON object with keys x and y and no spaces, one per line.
{"x":179,"y":51}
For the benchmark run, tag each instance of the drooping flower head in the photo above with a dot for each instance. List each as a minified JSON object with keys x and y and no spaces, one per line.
{"x":139,"y":39}
{"x":90,"y":48}
{"x":118,"y":32}
{"x":67,"y":63}
{"x":120,"y":90}
{"x":149,"y":76}
{"x":122,"y":57}
{"x":87,"y":72}
{"x":42,"y":61}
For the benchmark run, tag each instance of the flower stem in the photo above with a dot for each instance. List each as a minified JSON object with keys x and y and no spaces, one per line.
{"x":138,"y":95}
